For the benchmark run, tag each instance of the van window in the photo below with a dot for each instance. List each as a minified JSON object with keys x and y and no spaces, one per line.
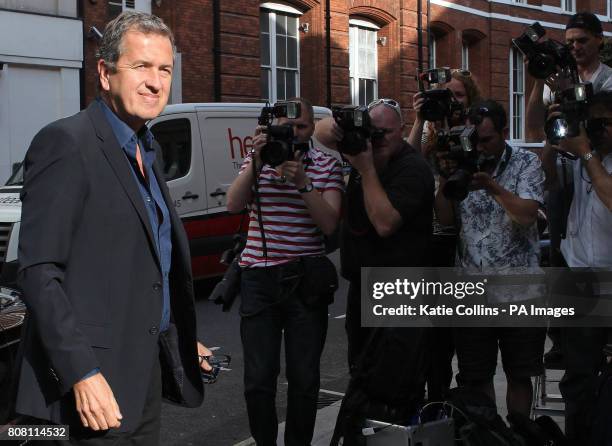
{"x":174,"y":137}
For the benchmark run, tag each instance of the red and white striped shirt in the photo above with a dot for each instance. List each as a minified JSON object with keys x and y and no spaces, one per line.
{"x":289,"y":229}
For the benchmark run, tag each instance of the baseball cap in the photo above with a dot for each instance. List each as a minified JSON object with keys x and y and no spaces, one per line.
{"x":587,"y":21}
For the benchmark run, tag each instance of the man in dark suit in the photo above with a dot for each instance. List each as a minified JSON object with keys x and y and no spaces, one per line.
{"x":104,"y":260}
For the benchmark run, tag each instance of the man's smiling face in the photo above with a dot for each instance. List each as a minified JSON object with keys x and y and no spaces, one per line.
{"x":137,"y":89}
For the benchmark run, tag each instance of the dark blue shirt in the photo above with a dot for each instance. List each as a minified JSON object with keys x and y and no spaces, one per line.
{"x":158,"y":213}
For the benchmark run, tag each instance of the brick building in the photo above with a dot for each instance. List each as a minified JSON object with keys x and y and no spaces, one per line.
{"x":249,"y":50}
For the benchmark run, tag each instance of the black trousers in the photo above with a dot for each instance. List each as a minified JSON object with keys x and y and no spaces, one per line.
{"x":146,"y":434}
{"x":356,"y":335}
{"x":304,"y":329}
{"x":582,"y":349}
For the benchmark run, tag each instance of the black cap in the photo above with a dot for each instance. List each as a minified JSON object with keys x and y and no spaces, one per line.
{"x":587,"y":21}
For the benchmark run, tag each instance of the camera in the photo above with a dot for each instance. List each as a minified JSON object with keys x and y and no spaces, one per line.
{"x":574,"y":108}
{"x":227,"y":289}
{"x":281,"y":145}
{"x":439,"y":102}
{"x":460,"y":144}
{"x":357,"y":127}
{"x":547,"y":56}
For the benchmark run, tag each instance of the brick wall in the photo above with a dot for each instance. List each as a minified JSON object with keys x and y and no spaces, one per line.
{"x":489,"y":43}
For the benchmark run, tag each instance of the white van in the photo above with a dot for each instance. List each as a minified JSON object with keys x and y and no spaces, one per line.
{"x":203,"y":146}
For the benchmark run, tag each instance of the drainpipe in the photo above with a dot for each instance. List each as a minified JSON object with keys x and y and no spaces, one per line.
{"x":328,"y":53}
{"x":420,"y":32}
{"x":217,"y":50}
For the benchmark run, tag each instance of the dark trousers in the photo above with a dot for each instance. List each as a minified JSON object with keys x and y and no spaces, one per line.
{"x":304,"y":328}
{"x":146,"y":434}
{"x":356,"y":335}
{"x":582,"y":349}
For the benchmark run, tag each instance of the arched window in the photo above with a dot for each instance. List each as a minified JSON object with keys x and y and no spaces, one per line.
{"x":363,"y":61}
{"x":280,"y":52}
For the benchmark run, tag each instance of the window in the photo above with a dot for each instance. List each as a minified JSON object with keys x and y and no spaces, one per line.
{"x":432,"y":51}
{"x":174,"y":137}
{"x":116,"y":7}
{"x":465,"y":56}
{"x":363,"y":62}
{"x":610,"y":9}
{"x":568,"y":5}
{"x":280,"y":72}
{"x":517,"y":95}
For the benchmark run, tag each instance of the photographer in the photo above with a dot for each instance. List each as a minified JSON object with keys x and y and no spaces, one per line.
{"x":388,"y":209}
{"x":464,"y":89}
{"x":423,"y":136}
{"x":584,"y":35}
{"x":498,"y":231}
{"x":588,"y":244}
{"x":291,"y":207}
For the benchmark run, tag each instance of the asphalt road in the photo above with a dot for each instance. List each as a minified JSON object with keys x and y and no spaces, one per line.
{"x":222,"y":419}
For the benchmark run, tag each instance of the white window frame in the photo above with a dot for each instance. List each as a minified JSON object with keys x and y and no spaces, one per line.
{"x":139,"y":5}
{"x":572,"y":5}
{"x":432,"y":48}
{"x":465,"y":56}
{"x":520,"y":68}
{"x":524,"y":2}
{"x":274,"y":9}
{"x":354,"y":77}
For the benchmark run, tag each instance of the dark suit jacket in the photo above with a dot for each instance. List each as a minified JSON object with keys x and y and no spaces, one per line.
{"x":91,"y":277}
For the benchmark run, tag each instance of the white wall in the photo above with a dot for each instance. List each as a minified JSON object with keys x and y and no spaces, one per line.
{"x":39,"y":82}
{"x":66,"y":8}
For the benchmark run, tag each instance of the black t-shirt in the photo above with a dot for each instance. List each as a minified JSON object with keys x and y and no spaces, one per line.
{"x":409,"y":184}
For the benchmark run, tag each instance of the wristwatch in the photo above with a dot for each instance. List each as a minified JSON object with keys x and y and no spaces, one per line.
{"x":587,"y":157}
{"x":308,"y":188}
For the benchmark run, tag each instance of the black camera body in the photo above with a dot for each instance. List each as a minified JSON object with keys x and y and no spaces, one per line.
{"x":574,"y":108}
{"x":281,"y":145}
{"x":227,"y":289}
{"x":544,"y":57}
{"x":439,"y":102}
{"x":357,"y":127}
{"x":460,"y":144}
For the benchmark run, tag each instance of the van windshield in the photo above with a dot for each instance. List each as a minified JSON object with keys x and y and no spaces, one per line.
{"x":17,"y":178}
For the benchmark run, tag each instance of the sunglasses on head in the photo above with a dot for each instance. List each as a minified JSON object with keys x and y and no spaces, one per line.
{"x":391,"y":103}
{"x":462,"y":72}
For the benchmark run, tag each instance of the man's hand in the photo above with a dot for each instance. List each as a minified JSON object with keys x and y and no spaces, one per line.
{"x":577,"y":146}
{"x":96,"y":404}
{"x":362,"y":161}
{"x":482,"y":180}
{"x":204,"y":352}
{"x":259,"y":141}
{"x":417,"y":103}
{"x":294,"y":172}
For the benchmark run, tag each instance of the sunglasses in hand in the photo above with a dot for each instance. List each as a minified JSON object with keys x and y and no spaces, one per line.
{"x":218,"y":363}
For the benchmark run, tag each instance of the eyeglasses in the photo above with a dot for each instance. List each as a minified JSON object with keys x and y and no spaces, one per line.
{"x":462,"y":72}
{"x":218,"y":363}
{"x":391,"y":103}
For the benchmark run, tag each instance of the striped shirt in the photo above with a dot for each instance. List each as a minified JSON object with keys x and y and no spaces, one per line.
{"x":289,"y":229}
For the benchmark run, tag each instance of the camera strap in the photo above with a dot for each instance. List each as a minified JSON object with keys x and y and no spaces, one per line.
{"x":258,"y":205}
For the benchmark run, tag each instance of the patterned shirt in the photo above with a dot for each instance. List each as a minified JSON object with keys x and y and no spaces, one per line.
{"x":289,"y":229}
{"x":489,"y":238}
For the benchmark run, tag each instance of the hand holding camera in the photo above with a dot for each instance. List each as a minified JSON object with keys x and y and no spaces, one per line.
{"x":281,"y":144}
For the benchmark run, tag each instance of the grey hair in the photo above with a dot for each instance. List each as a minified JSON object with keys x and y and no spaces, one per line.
{"x":110,"y":48}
